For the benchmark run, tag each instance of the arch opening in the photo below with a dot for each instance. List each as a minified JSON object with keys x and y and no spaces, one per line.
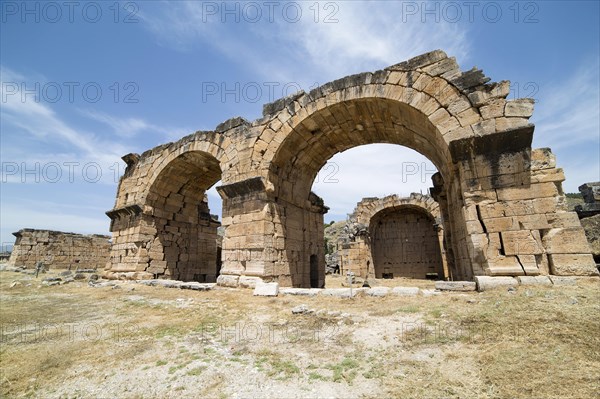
{"x":186,"y":244}
{"x":336,"y":128}
{"x":404,"y":243}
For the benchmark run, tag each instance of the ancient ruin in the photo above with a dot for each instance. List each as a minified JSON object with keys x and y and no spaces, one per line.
{"x":501,"y":202}
{"x":58,"y":250}
{"x":394,"y":237}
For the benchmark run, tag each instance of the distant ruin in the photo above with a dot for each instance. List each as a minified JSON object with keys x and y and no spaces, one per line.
{"x":394,"y":237}
{"x":500,"y":201}
{"x":59,"y":250}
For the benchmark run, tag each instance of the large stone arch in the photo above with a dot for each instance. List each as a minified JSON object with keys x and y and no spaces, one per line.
{"x":501,"y":201}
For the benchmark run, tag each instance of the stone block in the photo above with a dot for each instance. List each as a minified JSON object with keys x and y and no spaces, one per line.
{"x":572,"y":265}
{"x":342,"y":292}
{"x":563,"y":280}
{"x":300,"y":291}
{"x":266,"y":289}
{"x":486,"y":283}
{"x":378,"y":291}
{"x":455,"y":285}
{"x":225,"y":280}
{"x":566,"y":241}
{"x":405,"y":291}
{"x":534,"y":280}
{"x":249,"y":282}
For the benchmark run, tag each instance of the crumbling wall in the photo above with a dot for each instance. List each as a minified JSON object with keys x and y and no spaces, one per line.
{"x":393,"y":237}
{"x":58,"y":250}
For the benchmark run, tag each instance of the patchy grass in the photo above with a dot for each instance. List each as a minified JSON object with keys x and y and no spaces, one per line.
{"x":76,"y":341}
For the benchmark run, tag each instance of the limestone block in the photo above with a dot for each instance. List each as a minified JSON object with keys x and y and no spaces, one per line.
{"x":538,"y":190}
{"x":521,"y":242}
{"x":266,"y":289}
{"x":563,"y":280}
{"x":225,"y":280}
{"x":486,"y":283}
{"x":378,"y":291}
{"x":566,"y":241}
{"x":300,"y":291}
{"x":248,"y":282}
{"x":342,"y":292}
{"x":405,"y":291}
{"x":572,"y":265}
{"x":522,"y":107}
{"x":455,"y":285}
{"x":534,"y":280}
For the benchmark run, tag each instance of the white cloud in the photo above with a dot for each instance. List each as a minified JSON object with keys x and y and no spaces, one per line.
{"x":130,"y":127}
{"x":567,"y":119}
{"x":374,"y":170}
{"x":366,"y":36}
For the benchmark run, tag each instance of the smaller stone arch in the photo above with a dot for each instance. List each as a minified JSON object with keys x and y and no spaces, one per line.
{"x":394,"y":237}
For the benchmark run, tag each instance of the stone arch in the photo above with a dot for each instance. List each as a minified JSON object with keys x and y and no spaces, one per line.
{"x":162,"y":226}
{"x":501,"y":201}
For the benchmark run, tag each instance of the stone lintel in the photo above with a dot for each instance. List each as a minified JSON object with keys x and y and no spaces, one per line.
{"x":509,"y":141}
{"x":242,"y":189}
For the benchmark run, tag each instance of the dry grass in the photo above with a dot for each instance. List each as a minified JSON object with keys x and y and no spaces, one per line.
{"x":78,"y":341}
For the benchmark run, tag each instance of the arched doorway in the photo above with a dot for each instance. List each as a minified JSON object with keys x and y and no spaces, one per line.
{"x":404,"y":243}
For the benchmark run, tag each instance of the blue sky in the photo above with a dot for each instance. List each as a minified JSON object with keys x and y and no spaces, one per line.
{"x":84,"y":83}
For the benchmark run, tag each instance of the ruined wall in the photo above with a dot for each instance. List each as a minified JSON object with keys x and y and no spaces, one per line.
{"x":58,"y":250}
{"x":395,"y":236}
{"x":404,"y":243}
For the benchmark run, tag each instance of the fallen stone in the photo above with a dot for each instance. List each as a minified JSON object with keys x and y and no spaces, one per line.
{"x":50,"y":283}
{"x":534,"y":280}
{"x":485,"y":283}
{"x":225,"y":280}
{"x":300,"y":309}
{"x":266,"y":289}
{"x":51,"y":279}
{"x":430,"y":292}
{"x":15,"y":283}
{"x":300,"y":291}
{"x":342,"y":292}
{"x":79,"y":276}
{"x":455,"y":285}
{"x":193,"y":285}
{"x":65,"y":273}
{"x":405,"y":291}
{"x":378,"y":291}
{"x":563,"y":280}
{"x":248,"y":282}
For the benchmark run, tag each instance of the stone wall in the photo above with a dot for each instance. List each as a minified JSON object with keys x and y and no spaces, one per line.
{"x":393,"y":237}
{"x":58,"y":250}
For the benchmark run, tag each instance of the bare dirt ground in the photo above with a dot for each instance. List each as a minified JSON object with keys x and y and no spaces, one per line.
{"x":136,"y":341}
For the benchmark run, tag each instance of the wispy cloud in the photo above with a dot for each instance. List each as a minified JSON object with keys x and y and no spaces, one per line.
{"x":360,"y":36}
{"x":130,"y":127}
{"x":44,"y":125}
{"x":567,"y":119}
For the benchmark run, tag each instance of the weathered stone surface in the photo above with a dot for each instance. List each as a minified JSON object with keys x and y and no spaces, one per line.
{"x":228,"y":281}
{"x":429,"y":292}
{"x":534,"y":280}
{"x":59,"y":250}
{"x":406,"y":291}
{"x":378,"y":291}
{"x":566,"y":241}
{"x":248,"y":282}
{"x":485,"y":283}
{"x":572,"y":265}
{"x":266,"y":289}
{"x":300,"y":291}
{"x":455,"y":285}
{"x":342,"y":292}
{"x":562,"y":280}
